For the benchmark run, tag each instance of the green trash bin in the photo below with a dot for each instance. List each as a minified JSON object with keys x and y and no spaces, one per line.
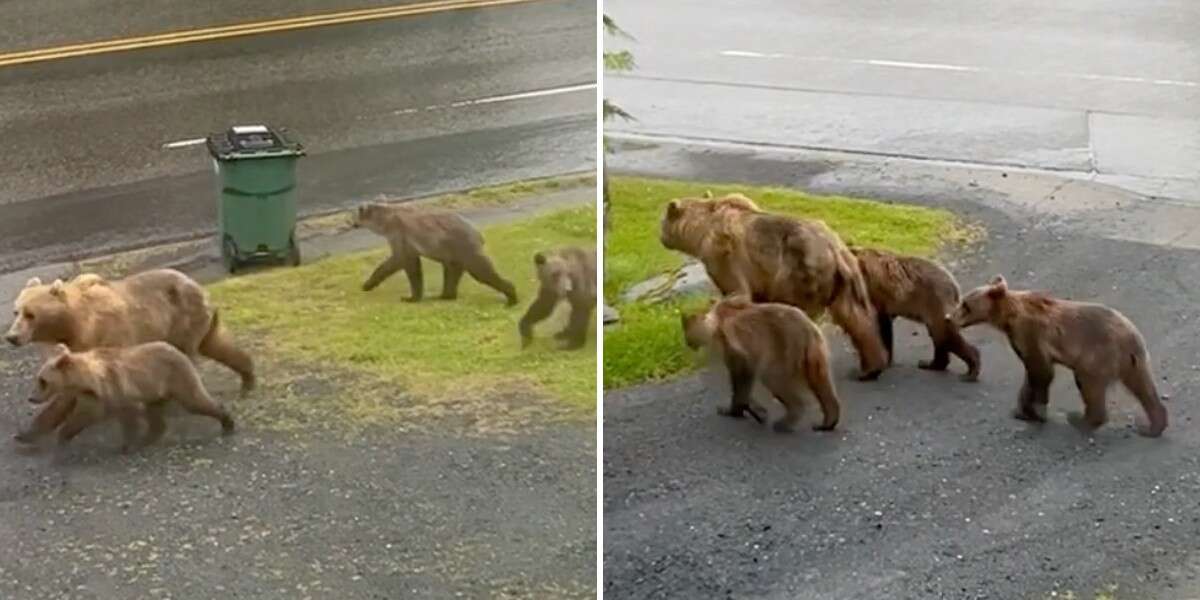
{"x":256,"y":173}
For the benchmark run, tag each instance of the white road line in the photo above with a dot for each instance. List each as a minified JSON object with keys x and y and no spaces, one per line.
{"x":899,"y":64}
{"x":505,"y":98}
{"x":460,"y":104}
{"x":185,"y":143}
{"x":914,"y":65}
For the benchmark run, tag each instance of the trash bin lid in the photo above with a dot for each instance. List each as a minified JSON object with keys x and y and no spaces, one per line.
{"x":253,"y":141}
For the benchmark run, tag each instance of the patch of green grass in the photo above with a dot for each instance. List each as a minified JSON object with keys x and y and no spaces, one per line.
{"x":500,"y":195}
{"x":445,"y":350}
{"x":647,"y":344}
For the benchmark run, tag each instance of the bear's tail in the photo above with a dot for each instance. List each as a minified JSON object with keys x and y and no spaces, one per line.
{"x":217,"y":346}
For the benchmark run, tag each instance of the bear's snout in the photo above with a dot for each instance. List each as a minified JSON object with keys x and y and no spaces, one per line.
{"x":13,"y":339}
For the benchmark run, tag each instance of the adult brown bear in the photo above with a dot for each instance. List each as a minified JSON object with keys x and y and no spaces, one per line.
{"x":775,"y":258}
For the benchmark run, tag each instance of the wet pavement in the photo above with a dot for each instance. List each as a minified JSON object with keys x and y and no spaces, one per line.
{"x":87,"y":172}
{"x":929,"y":489}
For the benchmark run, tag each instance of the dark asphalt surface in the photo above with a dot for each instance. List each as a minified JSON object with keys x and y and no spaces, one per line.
{"x":87,"y":173}
{"x":429,"y":513}
{"x":928,"y":489}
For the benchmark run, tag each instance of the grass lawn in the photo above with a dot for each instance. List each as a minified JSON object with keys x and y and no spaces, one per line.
{"x":317,"y":314}
{"x":647,"y":343}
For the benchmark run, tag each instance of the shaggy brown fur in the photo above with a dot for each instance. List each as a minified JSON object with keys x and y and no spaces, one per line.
{"x":773,"y":343}
{"x":563,"y":274}
{"x":1096,"y":342}
{"x":774,"y":258}
{"x":919,"y":290}
{"x":90,"y":312}
{"x":127,"y":383}
{"x":441,"y":236}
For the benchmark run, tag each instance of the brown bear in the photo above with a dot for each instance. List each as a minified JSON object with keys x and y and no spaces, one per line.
{"x":563,"y":274}
{"x":776,"y":344}
{"x":1096,"y":342}
{"x":127,"y":383}
{"x":90,"y":312}
{"x":442,"y":236}
{"x":775,"y":258}
{"x":919,"y":290}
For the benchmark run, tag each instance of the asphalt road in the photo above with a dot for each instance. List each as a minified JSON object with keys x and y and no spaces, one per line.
{"x":928,"y":490}
{"x":87,"y":173}
{"x":433,"y":511}
{"x":1107,"y":88}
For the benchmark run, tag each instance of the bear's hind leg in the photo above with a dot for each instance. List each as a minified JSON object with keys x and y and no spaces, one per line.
{"x":575,"y":333}
{"x":788,"y":390}
{"x":1095,"y":412}
{"x":820,"y":381}
{"x":197,"y":401}
{"x":964,"y":350}
{"x":1140,"y":383}
{"x":416,"y":278}
{"x":481,"y":268}
{"x":886,"y":332}
{"x":862,"y":326}
{"x":452,"y":273}
{"x":940,"y":336}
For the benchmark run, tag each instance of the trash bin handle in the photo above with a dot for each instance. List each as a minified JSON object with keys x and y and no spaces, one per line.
{"x":237,"y":192}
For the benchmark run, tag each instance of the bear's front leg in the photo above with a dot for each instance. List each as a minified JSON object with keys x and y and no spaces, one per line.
{"x":50,"y":418}
{"x":385,"y":269}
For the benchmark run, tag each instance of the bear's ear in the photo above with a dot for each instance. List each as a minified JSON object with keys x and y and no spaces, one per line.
{"x":539,"y":259}
{"x":63,"y":361}
{"x":674,"y":207}
{"x":61,"y":349}
{"x":57,"y":287}
{"x":33,"y":282}
{"x":999,"y":286}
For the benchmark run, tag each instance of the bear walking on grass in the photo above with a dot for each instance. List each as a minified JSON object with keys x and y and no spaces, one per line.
{"x":563,"y":274}
{"x":442,"y":236}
